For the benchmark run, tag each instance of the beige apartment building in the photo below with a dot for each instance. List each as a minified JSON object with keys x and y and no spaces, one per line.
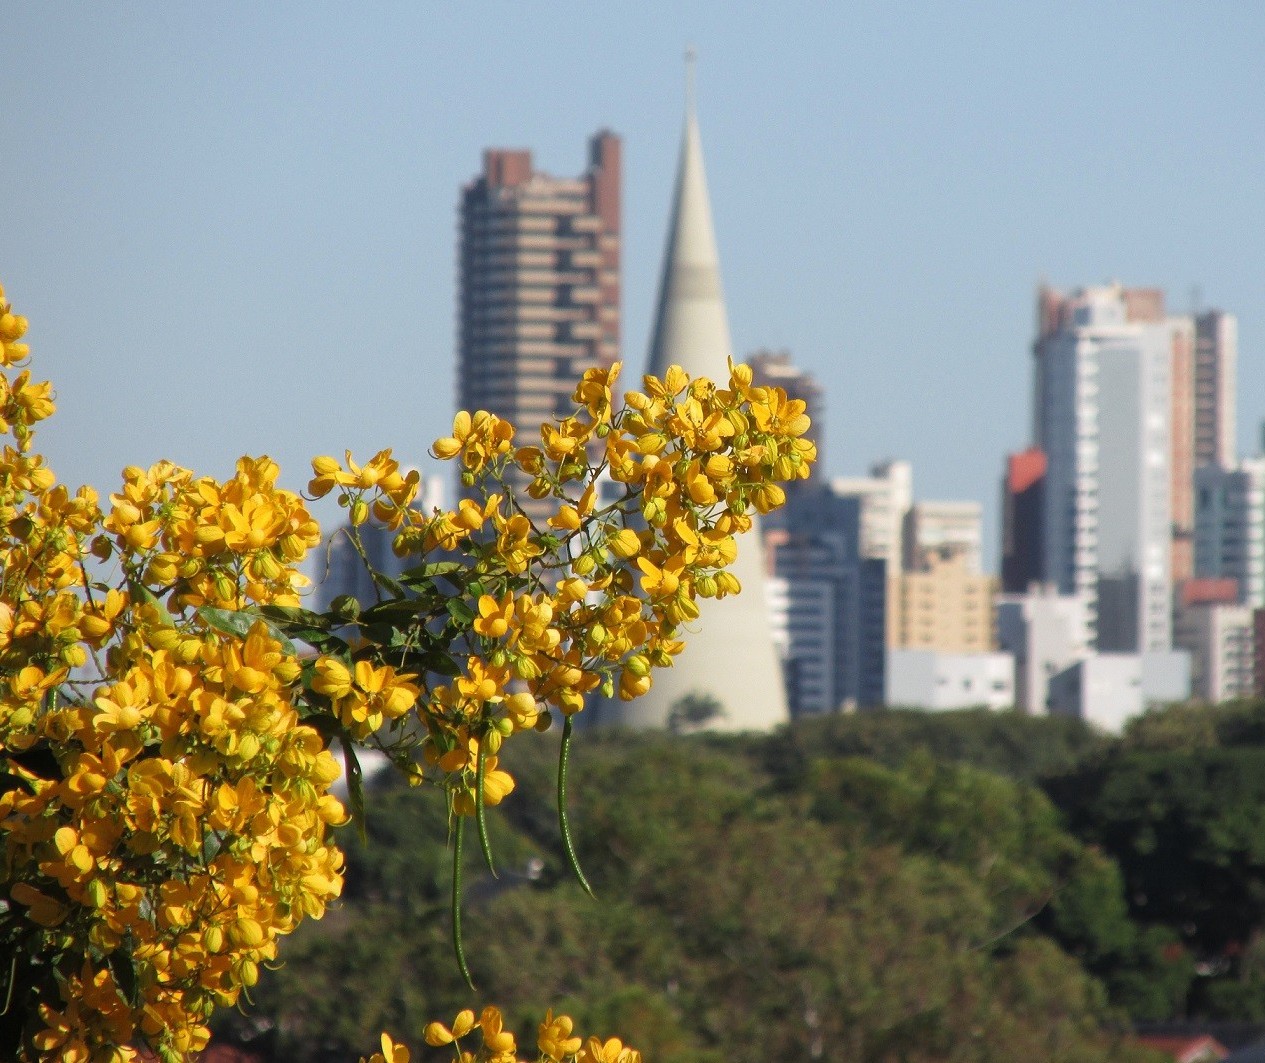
{"x":945,"y":605}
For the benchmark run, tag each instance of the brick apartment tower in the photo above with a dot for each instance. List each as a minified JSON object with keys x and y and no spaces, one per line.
{"x":1216,"y":362}
{"x":539,"y":284}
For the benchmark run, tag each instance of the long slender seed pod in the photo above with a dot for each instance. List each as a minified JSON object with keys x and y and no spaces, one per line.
{"x":13,"y":977}
{"x":480,"y":811}
{"x":458,"y":946}
{"x":563,"y":825}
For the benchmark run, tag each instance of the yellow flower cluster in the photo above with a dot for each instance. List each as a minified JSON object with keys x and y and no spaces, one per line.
{"x":649,"y":501}
{"x":163,"y":823}
{"x":556,"y":1041}
{"x":164,"y":741}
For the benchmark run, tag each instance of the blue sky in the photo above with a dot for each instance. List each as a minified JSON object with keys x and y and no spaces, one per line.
{"x":233,"y":226}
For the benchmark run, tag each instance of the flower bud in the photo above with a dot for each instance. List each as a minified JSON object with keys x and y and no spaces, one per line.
{"x":624,"y":544}
{"x":359,"y":512}
{"x":97,"y":893}
{"x":264,"y":566}
{"x":225,"y":588}
{"x":638,"y":665}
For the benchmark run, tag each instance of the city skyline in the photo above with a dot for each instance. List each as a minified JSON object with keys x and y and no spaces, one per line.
{"x":269,"y":200}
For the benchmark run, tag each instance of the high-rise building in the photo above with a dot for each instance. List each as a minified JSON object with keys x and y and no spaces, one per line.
{"x":886,"y":496}
{"x":539,"y":283}
{"x":1216,"y":361}
{"x":1059,"y":313}
{"x":834,"y":629}
{"x":1230,"y":526}
{"x":1104,"y":422}
{"x":730,"y":658}
{"x":1022,"y":501}
{"x":1182,"y":456}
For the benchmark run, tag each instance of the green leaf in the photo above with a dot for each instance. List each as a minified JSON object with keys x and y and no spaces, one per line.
{"x":459,"y":610}
{"x":392,"y":586}
{"x":384,"y":634}
{"x":120,"y":964}
{"x":238,"y":622}
{"x":423,"y":574}
{"x":289,"y":617}
{"x":441,"y":664}
{"x":212,"y":843}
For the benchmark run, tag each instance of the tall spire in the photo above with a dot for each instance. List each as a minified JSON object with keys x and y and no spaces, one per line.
{"x":691,"y":327}
{"x":729,"y":657}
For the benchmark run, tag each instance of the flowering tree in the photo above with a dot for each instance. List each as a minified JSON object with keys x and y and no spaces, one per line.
{"x":169,"y":710}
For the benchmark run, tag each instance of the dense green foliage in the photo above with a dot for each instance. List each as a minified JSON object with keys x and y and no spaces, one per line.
{"x":890,"y":887}
{"x":895,"y":886}
{"x":1179,"y":803}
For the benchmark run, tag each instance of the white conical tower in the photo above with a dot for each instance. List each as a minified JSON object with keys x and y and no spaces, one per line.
{"x":729,"y":654}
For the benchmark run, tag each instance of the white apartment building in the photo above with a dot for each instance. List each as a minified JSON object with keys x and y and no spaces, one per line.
{"x":929,"y":679}
{"x":1219,"y":638}
{"x":1045,"y":632}
{"x":1105,"y":422}
{"x":1109,"y":689}
{"x":886,"y":496}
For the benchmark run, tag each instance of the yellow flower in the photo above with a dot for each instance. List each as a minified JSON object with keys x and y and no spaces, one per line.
{"x":331,"y":678}
{"x":613,"y":1051}
{"x":555,"y":1040}
{"x":391,"y":1052}
{"x":494,"y":616}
